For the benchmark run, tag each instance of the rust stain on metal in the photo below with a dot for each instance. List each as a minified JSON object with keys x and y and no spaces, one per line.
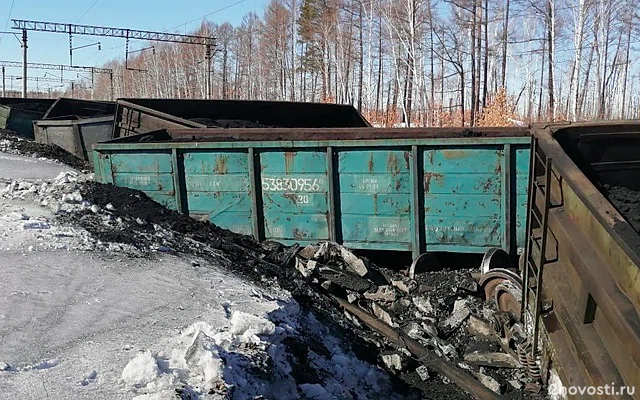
{"x":288,"y":161}
{"x":487,"y":185}
{"x":375,"y":204}
{"x":221,"y":167}
{"x":406,"y":159}
{"x":393,"y":164}
{"x":427,"y":179}
{"x":454,"y":153}
{"x":299,"y":235}
{"x":291,"y":196}
{"x":398,"y":184}
{"x":371,"y":163}
{"x":269,"y":198}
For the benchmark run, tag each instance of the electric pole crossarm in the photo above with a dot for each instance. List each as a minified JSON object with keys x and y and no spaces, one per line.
{"x":58,"y":27}
{"x":57,"y":67}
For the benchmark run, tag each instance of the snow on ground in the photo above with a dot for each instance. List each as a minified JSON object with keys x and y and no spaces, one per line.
{"x":14,"y":166}
{"x":84,"y":319}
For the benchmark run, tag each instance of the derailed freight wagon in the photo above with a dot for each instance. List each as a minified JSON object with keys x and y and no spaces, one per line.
{"x":439,"y":190}
{"x":135,"y":116}
{"x":18,"y":114}
{"x":76,"y":125}
{"x":411,"y":190}
{"x":582,"y":258}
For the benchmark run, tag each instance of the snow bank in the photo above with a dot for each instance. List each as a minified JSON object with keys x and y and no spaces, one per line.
{"x":141,"y":370}
{"x":247,"y":325}
{"x":253,"y":355}
{"x":203,"y":361}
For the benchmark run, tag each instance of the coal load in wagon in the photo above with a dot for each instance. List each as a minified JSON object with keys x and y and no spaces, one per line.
{"x":136,"y":116}
{"x":611,"y":161}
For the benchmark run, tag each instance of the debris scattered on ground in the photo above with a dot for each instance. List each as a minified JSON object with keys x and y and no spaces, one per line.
{"x":394,"y":360}
{"x":442,"y":310}
{"x":383,"y":293}
{"x":458,"y":316}
{"x":489,"y":382}
{"x":491,"y":359}
{"x":423,"y":372}
{"x":479,"y":328}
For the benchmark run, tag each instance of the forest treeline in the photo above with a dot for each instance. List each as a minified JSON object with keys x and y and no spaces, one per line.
{"x":411,"y":62}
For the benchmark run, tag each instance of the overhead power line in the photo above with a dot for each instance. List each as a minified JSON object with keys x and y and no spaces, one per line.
{"x":9,"y":16}
{"x":208,"y":14}
{"x":57,"y":67}
{"x":40,"y":79}
{"x":87,"y":11}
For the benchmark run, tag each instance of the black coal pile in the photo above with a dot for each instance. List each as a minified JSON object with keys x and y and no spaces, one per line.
{"x":23,"y":146}
{"x":627,"y":202}
{"x":139,"y":221}
{"x":229,"y":123}
{"x":39,"y":107}
{"x":443,"y":311}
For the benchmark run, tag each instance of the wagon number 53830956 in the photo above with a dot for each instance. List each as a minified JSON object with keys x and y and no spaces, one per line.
{"x":291,"y":184}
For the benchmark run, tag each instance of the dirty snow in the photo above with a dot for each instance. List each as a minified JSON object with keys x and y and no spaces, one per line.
{"x":247,"y":356}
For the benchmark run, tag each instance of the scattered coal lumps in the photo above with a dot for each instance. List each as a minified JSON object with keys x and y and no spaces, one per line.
{"x":447,"y":316}
{"x":442,"y":310}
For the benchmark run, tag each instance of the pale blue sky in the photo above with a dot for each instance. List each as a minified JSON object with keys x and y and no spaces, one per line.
{"x":153,"y":15}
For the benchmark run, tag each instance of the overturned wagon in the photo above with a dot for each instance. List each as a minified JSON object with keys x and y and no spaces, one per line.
{"x":411,"y":190}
